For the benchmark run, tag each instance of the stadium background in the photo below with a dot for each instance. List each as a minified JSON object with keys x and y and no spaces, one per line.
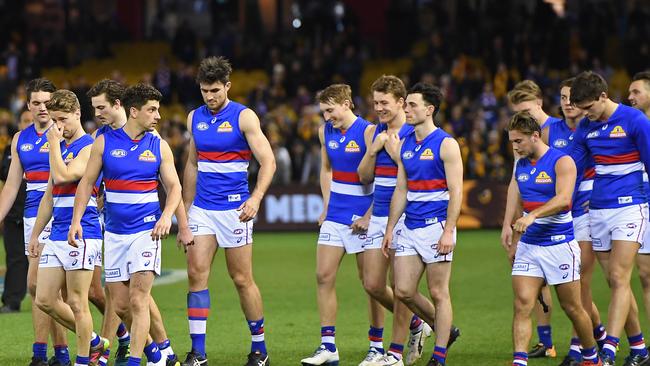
{"x":283,"y":52}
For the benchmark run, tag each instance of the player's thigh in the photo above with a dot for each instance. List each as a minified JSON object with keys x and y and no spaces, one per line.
{"x":49,"y":282}
{"x":408,"y":270}
{"x":587,"y":257}
{"x":526,"y":289}
{"x":239,"y":261}
{"x":438,"y":275}
{"x":201,"y":254}
{"x":375,"y":266}
{"x":328,"y":259}
{"x":568,"y":294}
{"x":621,"y":260}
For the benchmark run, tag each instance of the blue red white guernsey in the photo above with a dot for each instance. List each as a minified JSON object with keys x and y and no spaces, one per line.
{"x":550,"y":120}
{"x":33,"y":150}
{"x":63,"y":197}
{"x":102,"y":130}
{"x":620,"y":148}
{"x":130,"y":169}
{"x":385,"y":174}
{"x":561,"y":137}
{"x":427,"y":198}
{"x":349,"y":199}
{"x":223,"y":155}
{"x":536,"y":182}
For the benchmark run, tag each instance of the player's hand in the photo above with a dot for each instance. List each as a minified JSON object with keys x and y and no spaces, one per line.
{"x":34,"y":248}
{"x":249,"y":209}
{"x":392,"y":146}
{"x":385,"y":244}
{"x":360,"y":225}
{"x":54,"y":134}
{"x":506,"y":237}
{"x":446,"y":243}
{"x":379,"y":142}
{"x":512,"y":250}
{"x":523,"y":223}
{"x":184,"y":238}
{"x":161,"y":230}
{"x":322,"y":217}
{"x":75,"y":234}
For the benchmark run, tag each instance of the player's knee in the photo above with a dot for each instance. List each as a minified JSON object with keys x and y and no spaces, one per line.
{"x":96,"y":295}
{"x":197,"y":276}
{"x":242,"y":280}
{"x":373,"y":287}
{"x":77,"y":305}
{"x":523,"y":305}
{"x":325,"y":278}
{"x":572,"y":308}
{"x":407,"y":296}
{"x":439,"y":293}
{"x":139,"y":303}
{"x":618,"y":278}
{"x":31,"y":286}
{"x":121,"y":307}
{"x":644,"y":276}
{"x":45,"y":303}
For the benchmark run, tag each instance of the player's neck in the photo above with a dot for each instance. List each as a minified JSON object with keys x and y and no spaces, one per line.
{"x":541,"y":117}
{"x":119,"y":122}
{"x":42,"y":127}
{"x":348,"y":120}
{"x":610,"y":108}
{"x":395,"y":124}
{"x":572,"y":122}
{"x":539,"y":151}
{"x":77,"y":135}
{"x":221,"y":107}
{"x":424,"y":129}
{"x":133,"y":130}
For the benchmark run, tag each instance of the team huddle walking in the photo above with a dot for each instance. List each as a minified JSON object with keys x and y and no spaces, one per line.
{"x":392,"y":195}
{"x":582,"y":185}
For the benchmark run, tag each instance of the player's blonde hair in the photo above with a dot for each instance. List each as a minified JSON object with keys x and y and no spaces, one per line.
{"x":336,"y":94}
{"x":63,"y":100}
{"x":389,"y":84}
{"x":524,"y":91}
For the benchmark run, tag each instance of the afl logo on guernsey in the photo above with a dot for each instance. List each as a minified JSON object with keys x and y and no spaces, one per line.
{"x":202,"y":126}
{"x":523,"y":177}
{"x":147,"y":155}
{"x":45,"y":148}
{"x":617,"y":132}
{"x":68,"y":158}
{"x":427,"y":154}
{"x":26,"y":147}
{"x":333,"y":145}
{"x":560,"y":143}
{"x":352,"y":146}
{"x":118,"y":153}
{"x":407,"y":155}
{"x":225,"y":127}
{"x":543,"y":178}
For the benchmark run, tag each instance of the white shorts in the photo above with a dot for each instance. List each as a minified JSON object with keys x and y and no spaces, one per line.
{"x":130,"y":253}
{"x":339,"y":235}
{"x":62,"y":254}
{"x":28,"y":226}
{"x":557,"y":264}
{"x":645,"y":246}
{"x":581,"y":229}
{"x":624,"y":223}
{"x":423,"y":242}
{"x":377,"y":230}
{"x":224,"y":225}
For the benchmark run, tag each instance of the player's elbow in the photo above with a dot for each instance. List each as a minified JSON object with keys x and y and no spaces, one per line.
{"x":365,"y":178}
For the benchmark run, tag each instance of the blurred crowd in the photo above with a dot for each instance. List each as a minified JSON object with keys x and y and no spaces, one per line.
{"x":474,"y":66}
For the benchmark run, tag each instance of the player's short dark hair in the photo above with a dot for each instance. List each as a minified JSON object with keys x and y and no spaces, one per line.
{"x":389,"y":84}
{"x":336,"y":93}
{"x":587,"y":86}
{"x":39,"y":84}
{"x":214,"y":69}
{"x":63,"y":100}
{"x":643,"y":75}
{"x":138,"y":95}
{"x":431,"y":94}
{"x":567,"y":83}
{"x":525,"y":123}
{"x":113,"y":89}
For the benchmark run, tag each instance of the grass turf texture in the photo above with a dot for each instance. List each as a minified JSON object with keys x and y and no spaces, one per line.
{"x":285,"y":273}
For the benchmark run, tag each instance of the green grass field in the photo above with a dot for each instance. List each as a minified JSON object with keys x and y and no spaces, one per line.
{"x":284,"y":270}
